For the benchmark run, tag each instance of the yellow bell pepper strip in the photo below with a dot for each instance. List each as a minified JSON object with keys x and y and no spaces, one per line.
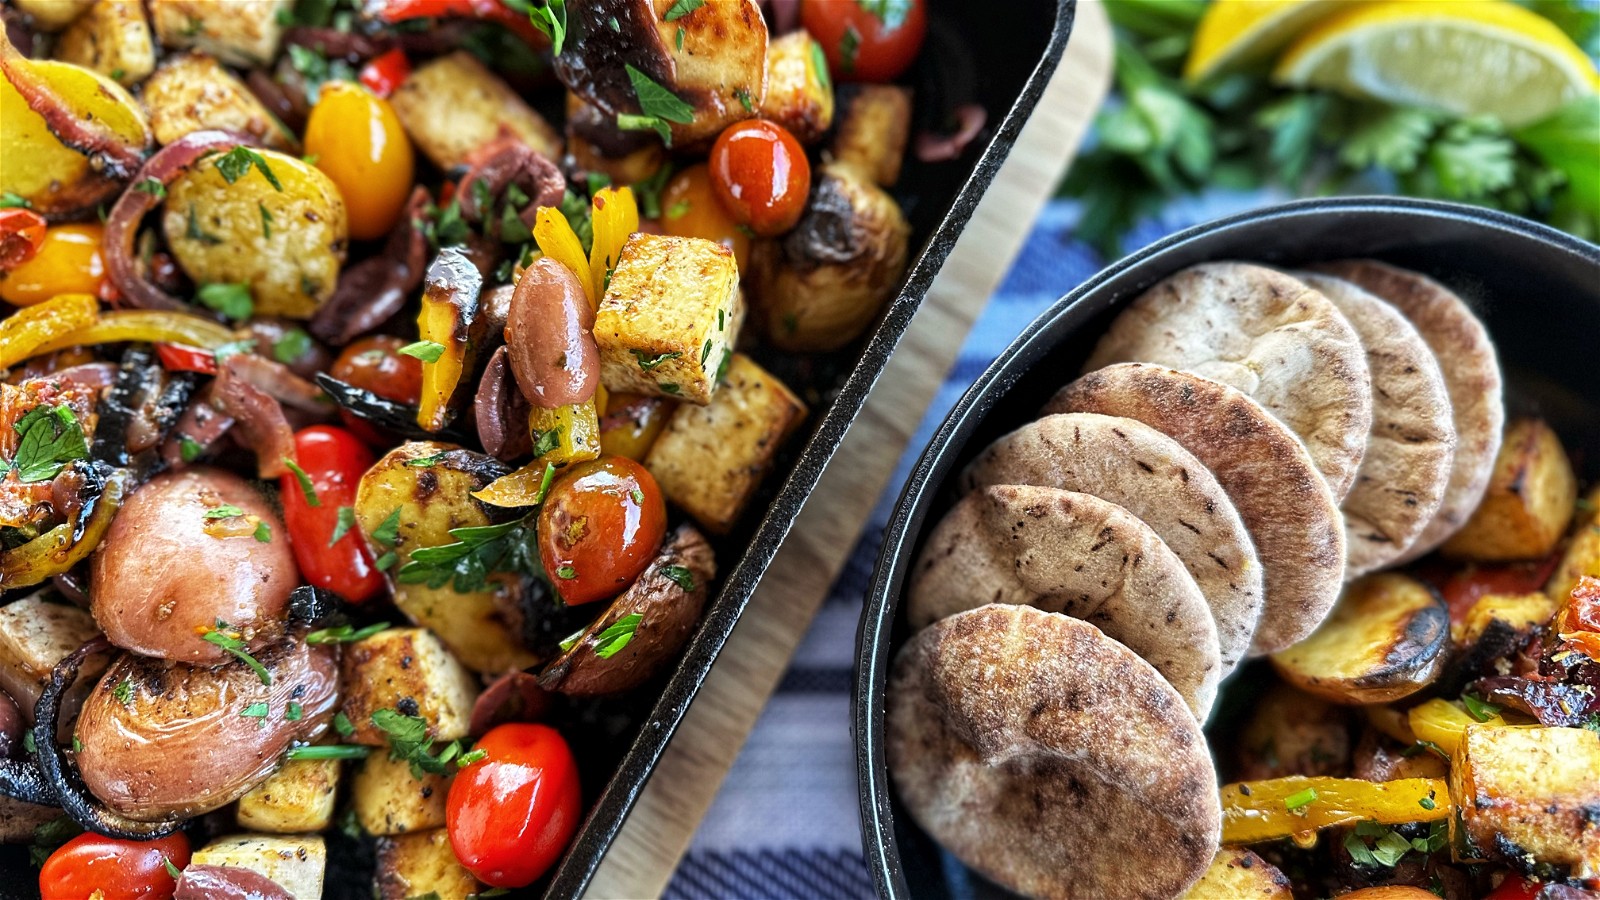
{"x":1283,"y":807}
{"x":557,"y":240}
{"x":55,"y":551}
{"x":566,"y":434}
{"x":451,"y":332}
{"x":145,"y":326}
{"x":525,"y":487}
{"x":1442,"y":723}
{"x":615,"y":218}
{"x":23,"y":332}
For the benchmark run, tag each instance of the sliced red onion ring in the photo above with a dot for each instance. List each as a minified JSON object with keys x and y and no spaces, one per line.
{"x":932,"y":147}
{"x":373,"y":290}
{"x":504,"y":163}
{"x":513,"y":697}
{"x":257,"y":415}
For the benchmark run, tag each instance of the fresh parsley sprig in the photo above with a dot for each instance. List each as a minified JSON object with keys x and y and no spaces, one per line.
{"x":477,"y":553}
{"x":49,"y":438}
{"x":409,"y":743}
{"x":232,"y":643}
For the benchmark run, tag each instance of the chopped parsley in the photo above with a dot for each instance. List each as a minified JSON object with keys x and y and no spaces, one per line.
{"x":1478,"y":708}
{"x":679,"y":575}
{"x":233,"y":348}
{"x":668,"y":387}
{"x":634,"y":122}
{"x":619,"y":635}
{"x":678,"y":210}
{"x":331,"y":751}
{"x":13,"y":200}
{"x":344,"y":634}
{"x":566,"y":573}
{"x":341,"y":724}
{"x":892,"y":13}
{"x":344,"y":520}
{"x":233,"y":644}
{"x":655,"y":102}
{"x":1427,"y":802}
{"x":291,"y":346}
{"x":477,"y":553}
{"x":306,"y":487}
{"x":427,"y":351}
{"x":1300,"y":799}
{"x":744,"y":99}
{"x":705,"y":353}
{"x":426,"y":462}
{"x":468,"y":759}
{"x":386,"y":562}
{"x":572,"y":640}
{"x":294,"y":713}
{"x":233,"y":301}
{"x":152,"y":187}
{"x":819,"y":64}
{"x":679,"y":38}
{"x":849,"y":43}
{"x":682,"y":8}
{"x":648,"y":362}
{"x":256,"y":710}
{"x":388,"y":531}
{"x":266,"y":221}
{"x":409,"y":743}
{"x":195,"y":233}
{"x":172,"y":870}
{"x":546,"y":442}
{"x":551,"y":18}
{"x":123,"y":691}
{"x":49,"y":439}
{"x":264,"y":532}
{"x":236,"y":163}
{"x":1387,"y":846}
{"x":225,"y":511}
{"x":637,"y":495}
{"x":189,"y":449}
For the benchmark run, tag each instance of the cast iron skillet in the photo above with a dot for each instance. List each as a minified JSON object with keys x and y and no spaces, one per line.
{"x":1538,"y":291}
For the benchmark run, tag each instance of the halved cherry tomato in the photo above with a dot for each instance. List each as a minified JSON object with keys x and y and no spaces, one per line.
{"x":67,"y":262}
{"x":112,"y":869}
{"x":21,"y":235}
{"x":690,"y":208}
{"x":1515,"y":887}
{"x":487,"y":10}
{"x":511,"y":813}
{"x":183,"y":358}
{"x":761,"y":175}
{"x":358,"y":142}
{"x":867,"y":40}
{"x":1461,"y":588}
{"x":383,"y":73}
{"x":375,"y":364}
{"x":334,"y":460}
{"x":599,"y":528}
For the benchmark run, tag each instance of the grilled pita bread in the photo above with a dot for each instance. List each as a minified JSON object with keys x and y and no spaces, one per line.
{"x":1079,"y":555}
{"x":1050,"y":758}
{"x":1268,"y":335}
{"x":1150,"y":475}
{"x":1471,"y":375}
{"x":1406,"y":470}
{"x":1288,"y":508}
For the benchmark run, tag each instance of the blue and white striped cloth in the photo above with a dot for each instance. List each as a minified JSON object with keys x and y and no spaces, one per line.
{"x":785,"y":824}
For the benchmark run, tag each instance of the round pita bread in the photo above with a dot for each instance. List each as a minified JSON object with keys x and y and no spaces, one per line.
{"x":1471,"y":374}
{"x":1150,"y":475}
{"x":1406,"y":470}
{"x":1292,"y":516}
{"x":1266,"y":334}
{"x":1050,"y":758}
{"x":1078,"y":555}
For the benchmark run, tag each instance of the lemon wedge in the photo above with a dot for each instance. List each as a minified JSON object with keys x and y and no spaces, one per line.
{"x":1237,"y":33}
{"x":1467,"y":57}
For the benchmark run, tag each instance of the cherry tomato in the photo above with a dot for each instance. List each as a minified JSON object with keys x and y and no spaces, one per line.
{"x":21,"y":235}
{"x":183,"y":358}
{"x":760,"y":174}
{"x":334,"y":460}
{"x":599,"y":528}
{"x":375,"y":364}
{"x":115,"y":869}
{"x":358,"y":142}
{"x":68,"y":262}
{"x":511,"y":813}
{"x":1461,"y":588}
{"x":690,"y":208}
{"x":385,"y":72}
{"x":1515,"y":887}
{"x":866,"y":41}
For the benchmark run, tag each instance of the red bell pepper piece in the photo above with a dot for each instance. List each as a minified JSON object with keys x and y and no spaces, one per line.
{"x":183,"y":358}
{"x":21,"y":236}
{"x":383,"y":73}
{"x":486,"y":10}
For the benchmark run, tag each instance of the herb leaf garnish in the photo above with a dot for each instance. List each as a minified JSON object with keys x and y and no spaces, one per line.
{"x":49,"y":438}
{"x":619,"y":635}
{"x":233,"y":644}
{"x":234,"y":164}
{"x":478,"y":553}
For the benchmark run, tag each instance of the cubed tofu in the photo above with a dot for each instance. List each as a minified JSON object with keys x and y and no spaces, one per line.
{"x":1239,"y":874}
{"x":53,"y":15}
{"x":1582,"y":556}
{"x":297,"y":798}
{"x":34,"y":635}
{"x":242,"y":33}
{"x":296,"y":863}
{"x":1520,"y":611}
{"x":799,"y":92}
{"x":112,"y":38}
{"x":710,"y":459}
{"x":451,"y":106}
{"x":669,"y":317}
{"x":407,"y":669}
{"x":19,"y":820}
{"x":1527,"y":796}
{"x":874,"y":126}
{"x":193,"y":92}
{"x":422,"y":864}
{"x":1528,"y":504}
{"x":389,"y":800}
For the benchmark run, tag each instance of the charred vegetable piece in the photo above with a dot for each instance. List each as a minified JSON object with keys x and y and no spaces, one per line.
{"x":406,"y":669}
{"x":390,"y":415}
{"x":453,"y":105}
{"x":1526,"y":798}
{"x":1519,"y":612}
{"x":1582,"y":556}
{"x":799,"y":92}
{"x":1529,"y":502}
{"x":1256,"y":811}
{"x":193,"y":92}
{"x":297,"y":799}
{"x":451,"y":336}
{"x":112,"y":38}
{"x":1385,"y":639}
{"x":35,"y":635}
{"x":64,"y":546}
{"x":389,"y":799}
{"x":1239,"y":873}
{"x":874,"y":126}
{"x":598,"y":146}
{"x":1293,"y":733}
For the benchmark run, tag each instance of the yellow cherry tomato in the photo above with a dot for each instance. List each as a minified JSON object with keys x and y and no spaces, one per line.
{"x":68,"y":262}
{"x":357,"y":141}
{"x":689,"y":208}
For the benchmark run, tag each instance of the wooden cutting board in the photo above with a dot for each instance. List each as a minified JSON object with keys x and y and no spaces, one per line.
{"x":647,"y":850}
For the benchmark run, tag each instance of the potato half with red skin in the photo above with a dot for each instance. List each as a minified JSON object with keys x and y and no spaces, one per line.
{"x":1385,"y":639}
{"x":166,"y":569}
{"x":160,"y":739}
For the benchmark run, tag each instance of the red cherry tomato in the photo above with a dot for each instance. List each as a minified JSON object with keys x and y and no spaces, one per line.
{"x":761,"y":176}
{"x":375,"y":364}
{"x":511,"y":813}
{"x":385,"y":72}
{"x":117,"y":869}
{"x":1515,"y":887}
{"x":599,"y":528}
{"x":21,"y":236}
{"x":334,"y":460}
{"x":1461,"y":588}
{"x":183,"y":358}
{"x":866,"y":41}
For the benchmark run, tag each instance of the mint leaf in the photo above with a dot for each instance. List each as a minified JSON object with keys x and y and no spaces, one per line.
{"x":49,"y":438}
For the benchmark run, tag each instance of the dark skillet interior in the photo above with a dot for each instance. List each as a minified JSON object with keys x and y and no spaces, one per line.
{"x":1537,"y":290}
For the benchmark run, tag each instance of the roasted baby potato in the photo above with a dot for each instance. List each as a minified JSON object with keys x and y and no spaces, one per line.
{"x":35,"y":634}
{"x":1582,"y":556}
{"x":296,"y":863}
{"x":451,"y":106}
{"x":1293,"y":733}
{"x":53,"y":15}
{"x":297,"y":799}
{"x":1520,"y":612}
{"x":710,"y":459}
{"x":112,"y":38}
{"x":643,"y":629}
{"x":1526,"y":797}
{"x":1385,"y":639}
{"x":1529,"y":502}
{"x":218,"y":234}
{"x":241,"y":33}
{"x":425,"y":502}
{"x":406,"y":669}
{"x":193,"y":92}
{"x":1239,"y":874}
{"x":821,"y":285}
{"x":422,"y":864}
{"x":874,"y":126}
{"x":669,"y":317}
{"x":389,"y":800}
{"x":799,"y":92}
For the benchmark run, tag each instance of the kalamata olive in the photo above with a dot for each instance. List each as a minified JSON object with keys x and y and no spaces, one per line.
{"x":159,"y":739}
{"x":549,"y":331}
{"x":12,"y":725}
{"x":190,"y":549}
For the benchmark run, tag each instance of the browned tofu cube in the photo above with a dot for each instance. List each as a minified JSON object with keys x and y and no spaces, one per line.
{"x":410,"y":671}
{"x":453,"y":105}
{"x":1528,"y":504}
{"x":1526,"y":797}
{"x":389,"y":799}
{"x":422,"y":864}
